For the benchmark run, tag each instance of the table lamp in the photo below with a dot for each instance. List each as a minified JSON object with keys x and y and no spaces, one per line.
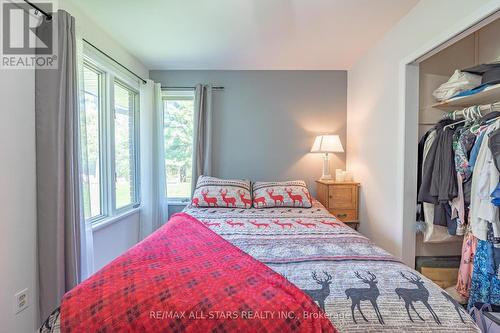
{"x":327,"y":144}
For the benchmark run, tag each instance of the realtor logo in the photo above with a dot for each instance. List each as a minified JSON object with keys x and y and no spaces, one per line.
{"x":29,"y":38}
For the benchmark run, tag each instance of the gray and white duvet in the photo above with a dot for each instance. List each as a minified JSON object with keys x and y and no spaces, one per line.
{"x":361,"y":287}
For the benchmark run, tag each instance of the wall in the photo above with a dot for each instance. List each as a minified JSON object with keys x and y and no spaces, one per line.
{"x":17,"y":197}
{"x":88,"y":29}
{"x":265,"y":121}
{"x":113,"y":240}
{"x":375,"y":117}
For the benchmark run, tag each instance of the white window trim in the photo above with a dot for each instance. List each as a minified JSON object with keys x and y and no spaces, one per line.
{"x":103,"y":223}
{"x":111,"y":74}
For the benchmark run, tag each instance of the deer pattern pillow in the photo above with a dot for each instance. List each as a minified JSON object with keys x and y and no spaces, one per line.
{"x":281,"y":194}
{"x":215,"y":192}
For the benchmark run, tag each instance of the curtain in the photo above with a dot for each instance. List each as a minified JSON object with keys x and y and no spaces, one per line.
{"x":202,"y":133}
{"x":87,"y":238}
{"x":59,"y":213}
{"x":160,"y":204}
{"x":154,"y":206}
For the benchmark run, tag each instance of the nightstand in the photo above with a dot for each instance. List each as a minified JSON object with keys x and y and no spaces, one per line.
{"x":341,"y":199}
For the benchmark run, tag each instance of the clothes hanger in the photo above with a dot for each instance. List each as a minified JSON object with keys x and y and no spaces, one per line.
{"x":492,"y":120}
{"x":466,"y":116}
{"x":476,"y":126}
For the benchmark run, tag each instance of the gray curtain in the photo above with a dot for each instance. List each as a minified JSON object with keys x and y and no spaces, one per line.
{"x":59,"y":215}
{"x":202,"y":136}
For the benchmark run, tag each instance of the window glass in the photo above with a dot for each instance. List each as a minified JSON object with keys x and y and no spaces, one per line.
{"x":178,"y":134}
{"x":124,"y":129}
{"x":90,"y":143}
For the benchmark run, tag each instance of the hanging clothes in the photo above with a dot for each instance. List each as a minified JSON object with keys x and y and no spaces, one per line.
{"x":464,"y":145}
{"x":458,"y":208}
{"x":439,"y":185}
{"x":444,"y":182}
{"x":484,"y":181}
{"x":464,"y":279}
{"x":495,"y":196}
{"x":431,"y":233}
{"x":494,"y":145}
{"x":485,"y":285}
{"x":423,"y":148}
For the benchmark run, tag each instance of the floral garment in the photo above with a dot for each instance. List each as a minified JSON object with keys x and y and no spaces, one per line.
{"x":485,"y":285}
{"x":466,"y":265}
{"x":464,"y":142}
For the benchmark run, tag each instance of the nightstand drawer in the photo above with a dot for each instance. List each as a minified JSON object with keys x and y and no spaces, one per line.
{"x":342,"y":197}
{"x":345,"y":215}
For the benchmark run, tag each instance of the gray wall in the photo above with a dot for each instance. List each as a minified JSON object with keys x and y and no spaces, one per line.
{"x":265,"y":121}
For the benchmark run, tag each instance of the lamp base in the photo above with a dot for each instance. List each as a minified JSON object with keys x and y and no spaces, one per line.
{"x":326,"y":168}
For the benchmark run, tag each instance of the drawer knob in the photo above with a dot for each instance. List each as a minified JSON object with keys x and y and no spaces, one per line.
{"x":341,"y":216}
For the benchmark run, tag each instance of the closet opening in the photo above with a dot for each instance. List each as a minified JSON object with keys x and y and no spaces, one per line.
{"x":445,"y":114}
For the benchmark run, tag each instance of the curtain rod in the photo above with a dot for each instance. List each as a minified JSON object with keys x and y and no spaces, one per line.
{"x":38,"y":9}
{"x":189,"y":88}
{"x":115,"y":61}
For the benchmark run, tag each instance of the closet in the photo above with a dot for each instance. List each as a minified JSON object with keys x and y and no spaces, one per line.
{"x":437,"y":253}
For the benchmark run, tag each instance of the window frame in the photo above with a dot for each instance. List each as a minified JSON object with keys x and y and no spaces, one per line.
{"x":111,"y":74}
{"x":136,"y":200}
{"x":174,"y":94}
{"x":102,"y":140}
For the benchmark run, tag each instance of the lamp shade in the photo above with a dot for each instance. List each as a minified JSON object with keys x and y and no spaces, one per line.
{"x":327,"y":144}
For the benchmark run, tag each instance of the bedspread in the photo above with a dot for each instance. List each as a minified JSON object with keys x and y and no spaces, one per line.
{"x":185,"y":278}
{"x":361,"y":287}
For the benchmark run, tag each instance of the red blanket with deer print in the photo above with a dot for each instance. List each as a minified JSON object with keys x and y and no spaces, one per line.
{"x":186,"y":278}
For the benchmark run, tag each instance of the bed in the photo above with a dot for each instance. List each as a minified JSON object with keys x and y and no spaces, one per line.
{"x":361,"y":287}
{"x":358,"y":286}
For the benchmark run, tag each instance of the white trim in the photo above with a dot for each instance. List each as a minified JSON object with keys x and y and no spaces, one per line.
{"x":179,"y":201}
{"x":408,"y":102}
{"x":113,"y":219}
{"x":176,"y":95}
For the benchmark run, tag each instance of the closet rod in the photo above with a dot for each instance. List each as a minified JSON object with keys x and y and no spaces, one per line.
{"x":461,"y":113}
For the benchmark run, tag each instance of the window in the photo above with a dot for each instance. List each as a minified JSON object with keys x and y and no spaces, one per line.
{"x":109,"y":141}
{"x":125,"y":101}
{"x":178,"y":113}
{"x":90,"y":147}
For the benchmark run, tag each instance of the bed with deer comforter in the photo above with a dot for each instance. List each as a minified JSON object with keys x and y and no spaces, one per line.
{"x":361,"y":287}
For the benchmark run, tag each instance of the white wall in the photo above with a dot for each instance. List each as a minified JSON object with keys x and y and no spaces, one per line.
{"x":375,"y":116}
{"x":17,"y":197}
{"x":89,"y":30}
{"x":113,"y":240}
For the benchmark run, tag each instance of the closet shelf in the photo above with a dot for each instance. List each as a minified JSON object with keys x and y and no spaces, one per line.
{"x":487,"y":96}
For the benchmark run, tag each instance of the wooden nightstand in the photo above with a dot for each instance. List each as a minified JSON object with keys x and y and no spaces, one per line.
{"x":341,"y":199}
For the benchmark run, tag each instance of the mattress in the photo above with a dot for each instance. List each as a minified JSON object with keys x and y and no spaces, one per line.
{"x":360,"y":286}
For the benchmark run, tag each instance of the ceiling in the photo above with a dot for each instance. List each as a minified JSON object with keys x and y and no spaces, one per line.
{"x":246,"y":34}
